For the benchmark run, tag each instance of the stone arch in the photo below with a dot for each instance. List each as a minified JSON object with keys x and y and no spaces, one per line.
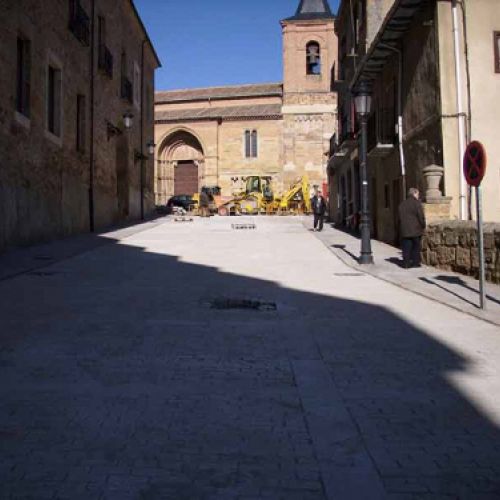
{"x":181,"y":159}
{"x":313,"y":57}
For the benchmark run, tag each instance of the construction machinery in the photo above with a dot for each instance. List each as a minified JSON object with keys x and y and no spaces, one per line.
{"x":259,"y":198}
{"x":214,"y":195}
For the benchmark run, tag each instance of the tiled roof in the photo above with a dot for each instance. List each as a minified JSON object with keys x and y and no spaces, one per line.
{"x":312,"y":9}
{"x":230,"y":113}
{"x":226,"y":92}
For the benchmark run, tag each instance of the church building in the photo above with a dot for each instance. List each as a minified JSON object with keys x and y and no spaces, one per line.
{"x":218,"y":136}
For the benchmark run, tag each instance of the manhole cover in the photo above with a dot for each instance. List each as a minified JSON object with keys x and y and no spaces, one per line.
{"x":255,"y":305}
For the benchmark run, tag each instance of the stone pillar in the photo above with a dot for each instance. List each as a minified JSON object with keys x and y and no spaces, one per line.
{"x":436,"y":206}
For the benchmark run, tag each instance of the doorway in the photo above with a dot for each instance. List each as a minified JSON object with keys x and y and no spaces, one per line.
{"x":186,"y":178}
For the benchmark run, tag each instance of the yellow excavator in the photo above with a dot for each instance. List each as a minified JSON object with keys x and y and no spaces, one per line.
{"x":259,"y":198}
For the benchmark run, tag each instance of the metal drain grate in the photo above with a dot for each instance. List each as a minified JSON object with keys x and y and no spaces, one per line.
{"x":349,"y":275}
{"x":43,"y":257}
{"x":243,"y":226}
{"x":42,"y":274}
{"x":254,"y":305}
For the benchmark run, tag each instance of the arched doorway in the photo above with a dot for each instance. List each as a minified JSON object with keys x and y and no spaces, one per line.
{"x":181,"y":162}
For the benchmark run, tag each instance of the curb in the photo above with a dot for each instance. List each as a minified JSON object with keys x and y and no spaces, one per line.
{"x":348,"y":262}
{"x":97,"y":244}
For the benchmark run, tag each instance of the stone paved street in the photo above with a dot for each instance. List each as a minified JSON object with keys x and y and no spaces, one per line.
{"x":121,"y":380}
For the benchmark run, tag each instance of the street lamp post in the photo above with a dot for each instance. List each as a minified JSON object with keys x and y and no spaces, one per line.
{"x":363,"y":101}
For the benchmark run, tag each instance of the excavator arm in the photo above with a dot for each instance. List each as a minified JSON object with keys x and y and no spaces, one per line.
{"x":300,"y":187}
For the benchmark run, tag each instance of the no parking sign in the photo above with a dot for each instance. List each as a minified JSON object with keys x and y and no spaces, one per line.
{"x":474,"y":169}
{"x":475,"y":163}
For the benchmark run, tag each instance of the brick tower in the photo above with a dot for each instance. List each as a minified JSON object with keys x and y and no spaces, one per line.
{"x":309,"y":105}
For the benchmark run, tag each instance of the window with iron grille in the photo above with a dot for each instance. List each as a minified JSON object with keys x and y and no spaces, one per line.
{"x":313,"y":58}
{"x":23,"y":83}
{"x":496,"y":50}
{"x":81,"y":119}
{"x":251,"y":144}
{"x":79,"y":22}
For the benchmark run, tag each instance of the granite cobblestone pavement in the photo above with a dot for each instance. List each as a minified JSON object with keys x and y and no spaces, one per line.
{"x":121,"y":380}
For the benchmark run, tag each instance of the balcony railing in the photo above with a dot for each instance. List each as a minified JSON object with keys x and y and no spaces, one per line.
{"x":79,"y":23}
{"x":381,"y":132}
{"x":105,"y":61}
{"x":127,"y":90}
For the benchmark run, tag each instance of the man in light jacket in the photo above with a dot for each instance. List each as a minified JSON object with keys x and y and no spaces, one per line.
{"x":412,"y":226}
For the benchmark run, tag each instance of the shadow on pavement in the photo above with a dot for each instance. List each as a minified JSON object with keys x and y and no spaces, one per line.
{"x":344,"y":249}
{"x":119,"y":380}
{"x":456,"y":280}
{"x":451,"y":292}
{"x":395,"y":261}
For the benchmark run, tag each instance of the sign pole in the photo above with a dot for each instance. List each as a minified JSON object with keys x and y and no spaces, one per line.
{"x":480,"y":232}
{"x":474,"y":165}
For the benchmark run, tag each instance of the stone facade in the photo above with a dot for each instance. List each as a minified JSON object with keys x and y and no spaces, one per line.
{"x":294,"y":120}
{"x":51,"y":183}
{"x":453,"y":246}
{"x":208,"y":126}
{"x":413,"y":126}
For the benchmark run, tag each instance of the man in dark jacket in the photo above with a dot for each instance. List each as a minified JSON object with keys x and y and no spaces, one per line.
{"x":204,"y":203}
{"x":318,"y":205}
{"x":412,"y":225}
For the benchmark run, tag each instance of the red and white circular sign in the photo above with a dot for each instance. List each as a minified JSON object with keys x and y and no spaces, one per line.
{"x":475,"y":163}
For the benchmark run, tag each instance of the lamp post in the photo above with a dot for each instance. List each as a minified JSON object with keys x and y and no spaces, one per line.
{"x":362,"y":102}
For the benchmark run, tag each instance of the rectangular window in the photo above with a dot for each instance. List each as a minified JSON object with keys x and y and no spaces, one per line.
{"x":81,"y":119}
{"x":101,"y":31}
{"x":79,"y":22}
{"x":137,"y":86}
{"x":254,"y":144}
{"x":126,"y":89}
{"x":496,"y":50}
{"x":387,"y":201}
{"x":54,"y":82}
{"x":149,"y":104}
{"x":247,"y":144}
{"x":251,"y":144}
{"x":23,"y":89}
{"x":105,"y":58}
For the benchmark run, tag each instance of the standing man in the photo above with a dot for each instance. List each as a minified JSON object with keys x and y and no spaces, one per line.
{"x":318,"y":205}
{"x":412,"y":225}
{"x":204,"y":203}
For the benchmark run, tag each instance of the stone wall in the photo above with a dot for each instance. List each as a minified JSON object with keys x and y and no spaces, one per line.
{"x":45,"y":177}
{"x":453,"y":246}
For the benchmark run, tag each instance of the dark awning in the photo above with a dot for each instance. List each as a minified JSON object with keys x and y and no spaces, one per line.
{"x":393,"y":28}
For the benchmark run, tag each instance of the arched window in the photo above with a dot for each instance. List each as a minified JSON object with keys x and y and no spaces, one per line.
{"x":313,"y":58}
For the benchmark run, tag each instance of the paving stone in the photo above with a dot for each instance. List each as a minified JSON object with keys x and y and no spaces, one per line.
{"x":118,"y":381}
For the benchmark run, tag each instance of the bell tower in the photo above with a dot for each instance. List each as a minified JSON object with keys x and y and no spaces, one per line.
{"x":309,"y":105}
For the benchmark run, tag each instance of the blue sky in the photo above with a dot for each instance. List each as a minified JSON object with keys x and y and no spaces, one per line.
{"x":216,"y":42}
